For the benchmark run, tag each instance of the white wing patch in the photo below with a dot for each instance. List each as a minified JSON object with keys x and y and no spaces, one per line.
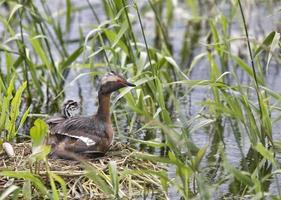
{"x":86,"y":140}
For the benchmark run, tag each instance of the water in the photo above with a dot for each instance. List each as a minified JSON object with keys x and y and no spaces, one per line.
{"x":261,"y":20}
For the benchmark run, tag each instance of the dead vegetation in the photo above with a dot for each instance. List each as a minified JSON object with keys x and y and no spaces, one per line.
{"x":133,"y":181}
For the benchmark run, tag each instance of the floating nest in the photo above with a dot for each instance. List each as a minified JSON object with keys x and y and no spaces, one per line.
{"x":134,"y":181}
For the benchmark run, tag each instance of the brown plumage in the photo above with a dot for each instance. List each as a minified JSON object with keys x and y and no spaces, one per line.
{"x":79,"y":135}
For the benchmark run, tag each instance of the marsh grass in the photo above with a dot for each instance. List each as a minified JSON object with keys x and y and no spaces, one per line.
{"x":38,"y":52}
{"x":11,"y":119}
{"x":119,"y":174}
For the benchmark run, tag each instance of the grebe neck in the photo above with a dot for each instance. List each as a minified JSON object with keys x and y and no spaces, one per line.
{"x":103,"y":112}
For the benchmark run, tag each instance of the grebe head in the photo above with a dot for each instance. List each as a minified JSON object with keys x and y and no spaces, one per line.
{"x":112,"y":82}
{"x":70,"y":108}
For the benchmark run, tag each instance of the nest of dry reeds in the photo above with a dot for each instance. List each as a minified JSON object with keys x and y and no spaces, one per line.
{"x":75,"y":176}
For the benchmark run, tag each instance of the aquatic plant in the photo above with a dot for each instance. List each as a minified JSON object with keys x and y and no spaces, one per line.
{"x":189,"y":137}
{"x":11,"y":120}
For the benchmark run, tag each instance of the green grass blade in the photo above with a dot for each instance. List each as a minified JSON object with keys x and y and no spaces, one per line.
{"x":113,"y":172}
{"x":28,"y":176}
{"x":68,"y":15}
{"x":14,"y":10}
{"x":14,"y":113}
{"x":5,"y":194}
{"x":71,"y":58}
{"x":61,"y":182}
{"x":55,"y":194}
{"x":26,"y":190}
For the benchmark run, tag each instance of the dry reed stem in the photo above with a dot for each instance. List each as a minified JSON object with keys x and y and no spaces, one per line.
{"x":74,"y":173}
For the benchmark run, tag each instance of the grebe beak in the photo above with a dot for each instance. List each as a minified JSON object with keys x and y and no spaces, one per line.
{"x":129,"y":84}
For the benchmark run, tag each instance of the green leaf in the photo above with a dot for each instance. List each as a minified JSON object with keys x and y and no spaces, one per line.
{"x":9,"y":65}
{"x":197,"y":160}
{"x":175,"y":65}
{"x":23,"y":119}
{"x":241,"y":176}
{"x":267,"y":41}
{"x":14,"y":113}
{"x":55,"y":194}
{"x":159,"y":93}
{"x":72,"y":57}
{"x":38,"y":132}
{"x":40,"y":51}
{"x":4,"y":113}
{"x":35,"y":79}
{"x":39,"y":153}
{"x":115,"y":39}
{"x":61,"y":182}
{"x":2,"y":86}
{"x":5,"y":194}
{"x":267,"y":154}
{"x":27,"y":176}
{"x":122,"y":31}
{"x":170,"y":8}
{"x":26,"y":190}
{"x":19,"y":60}
{"x":273,"y":46}
{"x":113,"y":172}
{"x":14,"y":10}
{"x":68,"y":15}
{"x":245,"y":67}
{"x":201,"y":124}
